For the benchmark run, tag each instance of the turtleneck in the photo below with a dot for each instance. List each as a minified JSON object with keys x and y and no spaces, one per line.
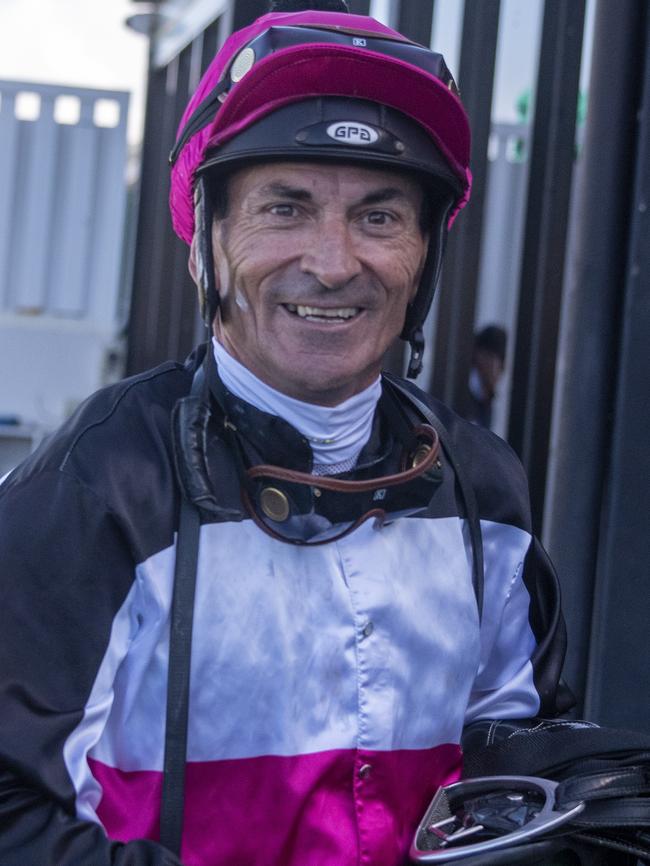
{"x":336,"y":433}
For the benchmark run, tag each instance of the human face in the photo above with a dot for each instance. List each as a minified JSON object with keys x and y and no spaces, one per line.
{"x":490,"y":369}
{"x":315,"y":265}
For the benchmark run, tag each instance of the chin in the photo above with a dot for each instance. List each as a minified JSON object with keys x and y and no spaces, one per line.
{"x":327,"y":385}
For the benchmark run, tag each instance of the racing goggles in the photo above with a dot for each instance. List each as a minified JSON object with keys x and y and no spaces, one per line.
{"x":304,"y":509}
{"x":277,"y":38}
{"x":478,"y":818}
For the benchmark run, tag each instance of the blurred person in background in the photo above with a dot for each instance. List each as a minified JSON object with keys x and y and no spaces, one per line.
{"x":488,"y":364}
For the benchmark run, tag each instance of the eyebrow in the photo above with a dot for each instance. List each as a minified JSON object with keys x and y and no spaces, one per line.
{"x":283,"y":190}
{"x":381,"y":195}
{"x":277,"y":188}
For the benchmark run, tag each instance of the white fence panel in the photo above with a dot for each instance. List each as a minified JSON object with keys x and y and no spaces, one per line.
{"x":62,"y":209}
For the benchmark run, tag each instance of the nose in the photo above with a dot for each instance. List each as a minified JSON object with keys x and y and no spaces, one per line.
{"x":331,"y":257}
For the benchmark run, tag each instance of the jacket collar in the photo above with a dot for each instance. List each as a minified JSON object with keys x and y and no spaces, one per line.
{"x":267,"y":438}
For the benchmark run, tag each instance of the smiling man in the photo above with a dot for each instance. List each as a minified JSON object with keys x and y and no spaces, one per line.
{"x":357,"y":560}
{"x":317,"y":264}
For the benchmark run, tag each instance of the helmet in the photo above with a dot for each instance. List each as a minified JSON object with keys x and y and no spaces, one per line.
{"x":323,"y":85}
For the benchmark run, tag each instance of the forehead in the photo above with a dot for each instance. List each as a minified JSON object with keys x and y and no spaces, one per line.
{"x":322,"y":181}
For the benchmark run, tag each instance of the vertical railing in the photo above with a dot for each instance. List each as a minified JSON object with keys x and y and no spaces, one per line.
{"x":415,"y":19}
{"x":545,"y":238}
{"x":454,"y":326}
{"x":597,"y":515}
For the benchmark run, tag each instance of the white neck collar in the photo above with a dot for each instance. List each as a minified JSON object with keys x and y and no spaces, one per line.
{"x":336,"y":433}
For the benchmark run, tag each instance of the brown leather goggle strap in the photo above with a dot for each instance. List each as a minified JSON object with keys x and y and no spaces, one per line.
{"x":279,"y":473}
{"x":378,"y":513}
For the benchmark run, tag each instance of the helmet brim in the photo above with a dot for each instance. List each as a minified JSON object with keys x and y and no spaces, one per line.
{"x":298,"y":132}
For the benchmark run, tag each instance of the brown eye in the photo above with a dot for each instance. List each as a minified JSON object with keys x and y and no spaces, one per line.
{"x":379,"y":218}
{"x":283,"y":210}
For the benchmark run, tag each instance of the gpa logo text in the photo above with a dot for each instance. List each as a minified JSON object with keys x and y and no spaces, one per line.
{"x":352,"y":132}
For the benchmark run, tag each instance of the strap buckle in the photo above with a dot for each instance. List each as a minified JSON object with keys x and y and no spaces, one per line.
{"x":495,"y":812}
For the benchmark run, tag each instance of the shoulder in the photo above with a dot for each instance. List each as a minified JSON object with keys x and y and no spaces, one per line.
{"x":495,"y":471}
{"x":118,"y":440}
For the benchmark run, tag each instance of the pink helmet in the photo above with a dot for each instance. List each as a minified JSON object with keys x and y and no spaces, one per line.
{"x":320,"y":85}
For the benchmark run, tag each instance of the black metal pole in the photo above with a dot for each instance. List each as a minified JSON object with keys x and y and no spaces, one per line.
{"x":415,"y":20}
{"x":177,"y":286}
{"x":542,"y":271}
{"x":145,"y":345}
{"x":359,"y":7}
{"x":246,"y":11}
{"x":592,"y":318}
{"x":455,"y":323}
{"x":618,"y":682}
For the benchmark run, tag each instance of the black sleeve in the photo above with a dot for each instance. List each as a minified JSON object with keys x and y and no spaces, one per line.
{"x":547,"y":659}
{"x":65,"y":570}
{"x":547,"y":623}
{"x":34,"y":829}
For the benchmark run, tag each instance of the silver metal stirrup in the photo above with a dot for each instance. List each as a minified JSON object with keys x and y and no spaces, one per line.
{"x":500,"y":811}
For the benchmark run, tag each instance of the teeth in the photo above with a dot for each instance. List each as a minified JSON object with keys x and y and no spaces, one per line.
{"x":323,"y":313}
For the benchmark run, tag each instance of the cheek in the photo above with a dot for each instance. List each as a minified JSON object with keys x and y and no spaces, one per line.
{"x":223,"y":275}
{"x":232,"y":267}
{"x":249,"y":256}
{"x":402,"y":270}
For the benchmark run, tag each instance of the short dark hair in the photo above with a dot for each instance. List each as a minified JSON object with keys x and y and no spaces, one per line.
{"x":494,"y":339}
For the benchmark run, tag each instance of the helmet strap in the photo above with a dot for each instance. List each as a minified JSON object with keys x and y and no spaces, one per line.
{"x":203,"y":218}
{"x":416,"y":342}
{"x":418,"y":310}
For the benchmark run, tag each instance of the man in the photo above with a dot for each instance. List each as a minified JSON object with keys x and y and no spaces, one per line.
{"x":488,"y":363}
{"x":345,"y":630}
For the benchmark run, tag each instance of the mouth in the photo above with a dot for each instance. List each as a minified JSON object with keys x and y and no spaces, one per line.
{"x":331,"y":315}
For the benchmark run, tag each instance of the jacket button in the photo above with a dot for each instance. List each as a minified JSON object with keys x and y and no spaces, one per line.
{"x":420,"y":455}
{"x":364,"y":771}
{"x":274,"y":504}
{"x":368,"y":629}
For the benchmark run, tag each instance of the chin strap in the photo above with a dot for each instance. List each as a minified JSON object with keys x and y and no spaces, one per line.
{"x":203,"y":217}
{"x":416,"y":342}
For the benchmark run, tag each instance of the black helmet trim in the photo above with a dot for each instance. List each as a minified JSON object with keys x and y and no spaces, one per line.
{"x":309,"y":130}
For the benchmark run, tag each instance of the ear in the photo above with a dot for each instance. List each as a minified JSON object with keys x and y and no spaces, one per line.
{"x":191,"y":262}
